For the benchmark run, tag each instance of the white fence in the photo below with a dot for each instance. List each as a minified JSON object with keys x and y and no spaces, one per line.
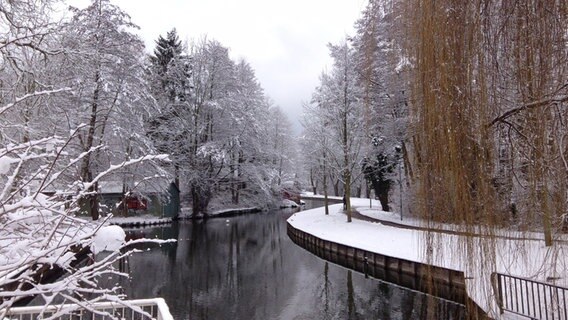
{"x":155,"y":309}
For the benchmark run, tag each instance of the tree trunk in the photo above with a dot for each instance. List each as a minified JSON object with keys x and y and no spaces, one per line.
{"x":345,"y":131}
{"x":407,"y":166}
{"x":384,"y":198}
{"x":91,"y":200}
{"x":237,"y":193}
{"x":233,"y":192}
{"x":348,"y":194}
{"x":200,"y":197}
{"x":124,"y":206}
{"x":336,"y":188}
{"x":325,"y":199}
{"x":546,"y":220}
{"x":177,"y":170}
{"x":280,"y":171}
{"x":313,"y":182}
{"x":94,"y":202}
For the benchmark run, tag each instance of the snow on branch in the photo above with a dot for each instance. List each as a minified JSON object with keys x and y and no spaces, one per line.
{"x":112,"y":168}
{"x":39,"y":143}
{"x":31,"y":95}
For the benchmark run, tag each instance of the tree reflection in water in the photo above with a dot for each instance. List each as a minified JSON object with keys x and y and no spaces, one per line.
{"x":247,"y":268}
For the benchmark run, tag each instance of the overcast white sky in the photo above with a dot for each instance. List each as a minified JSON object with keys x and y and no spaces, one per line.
{"x":285,"y":41}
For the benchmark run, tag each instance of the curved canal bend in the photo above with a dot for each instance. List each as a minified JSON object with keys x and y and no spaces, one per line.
{"x":246,"y":267}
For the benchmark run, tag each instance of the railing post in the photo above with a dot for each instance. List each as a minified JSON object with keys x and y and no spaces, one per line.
{"x":529,"y":298}
{"x":497,"y":287}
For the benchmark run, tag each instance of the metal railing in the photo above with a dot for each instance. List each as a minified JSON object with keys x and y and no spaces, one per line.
{"x":529,"y":298}
{"x":155,"y":309}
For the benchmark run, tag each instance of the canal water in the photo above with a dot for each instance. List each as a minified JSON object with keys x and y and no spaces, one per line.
{"x":246,"y":267}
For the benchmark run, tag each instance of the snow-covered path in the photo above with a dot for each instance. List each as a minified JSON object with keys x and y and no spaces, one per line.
{"x":528,"y":258}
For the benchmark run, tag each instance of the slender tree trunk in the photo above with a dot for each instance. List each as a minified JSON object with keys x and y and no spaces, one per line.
{"x":200,"y":197}
{"x":348,"y":194}
{"x":336,"y":188}
{"x":124,"y":207}
{"x":280,"y":171}
{"x":546,"y":221}
{"x":90,"y":202}
{"x":325,"y":199}
{"x":345,"y":129}
{"x":195,"y":203}
{"x":313,"y":182}
{"x":233,"y":191}
{"x":237,"y":193}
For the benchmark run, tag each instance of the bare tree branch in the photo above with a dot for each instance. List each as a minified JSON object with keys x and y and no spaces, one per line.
{"x":528,"y":106}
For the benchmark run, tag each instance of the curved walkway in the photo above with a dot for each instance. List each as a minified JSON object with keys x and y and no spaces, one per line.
{"x":355,"y":214}
{"x":402,"y":240}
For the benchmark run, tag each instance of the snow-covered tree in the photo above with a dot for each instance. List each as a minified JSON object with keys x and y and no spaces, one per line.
{"x":317,"y":144}
{"x":383,"y":69}
{"x":169,"y":75}
{"x":338,"y":102}
{"x":282,"y":144}
{"x":42,"y":151}
{"x":216,"y":122}
{"x":527,"y":110}
{"x":110,"y":94}
{"x":489,"y":143}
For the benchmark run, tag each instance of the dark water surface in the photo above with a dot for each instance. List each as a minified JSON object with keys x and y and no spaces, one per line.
{"x":246,"y":267}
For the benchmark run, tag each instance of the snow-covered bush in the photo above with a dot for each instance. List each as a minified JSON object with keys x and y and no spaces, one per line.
{"x":40,"y":236}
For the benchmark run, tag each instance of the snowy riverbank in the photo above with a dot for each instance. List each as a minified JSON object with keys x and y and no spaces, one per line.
{"x":524,"y":258}
{"x":152,"y":220}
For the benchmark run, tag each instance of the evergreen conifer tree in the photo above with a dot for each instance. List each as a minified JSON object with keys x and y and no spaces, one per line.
{"x":167,"y":57}
{"x":169,"y":73}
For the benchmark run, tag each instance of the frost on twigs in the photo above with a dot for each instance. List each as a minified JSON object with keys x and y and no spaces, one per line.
{"x":72,"y":113}
{"x":42,"y":239}
{"x":37,"y":241}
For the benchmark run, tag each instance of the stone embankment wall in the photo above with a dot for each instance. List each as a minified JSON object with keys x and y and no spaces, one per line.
{"x":446,"y":283}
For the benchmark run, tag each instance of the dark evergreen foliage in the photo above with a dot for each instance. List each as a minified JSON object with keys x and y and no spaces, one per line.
{"x":377,"y":172}
{"x":170,"y":71}
{"x":166,"y":50}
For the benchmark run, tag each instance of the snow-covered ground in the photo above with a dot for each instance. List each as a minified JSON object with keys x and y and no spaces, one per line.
{"x":234,"y":210}
{"x":186,"y":212}
{"x":288,"y":204}
{"x":149,"y":219}
{"x":320,"y":196}
{"x":394,"y":217}
{"x":142,"y":219}
{"x":525,"y":258}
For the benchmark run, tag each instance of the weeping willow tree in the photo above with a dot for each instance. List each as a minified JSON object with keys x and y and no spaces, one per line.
{"x":490,"y":92}
{"x":530,"y":90}
{"x":453,"y":149}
